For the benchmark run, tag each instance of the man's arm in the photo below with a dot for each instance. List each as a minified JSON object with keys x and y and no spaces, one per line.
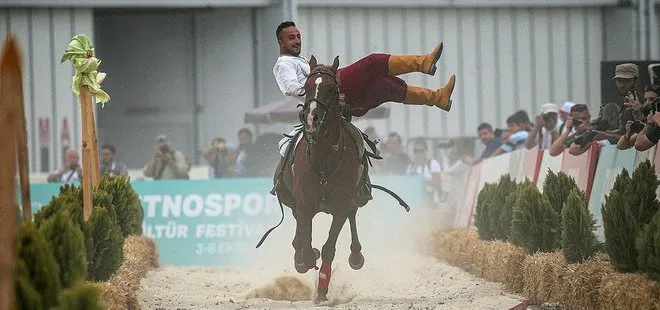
{"x":558,"y":147}
{"x":530,"y":142}
{"x":577,"y":150}
{"x":287,"y":79}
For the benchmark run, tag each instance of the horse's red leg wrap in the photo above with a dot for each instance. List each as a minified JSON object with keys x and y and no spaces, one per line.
{"x":324,"y":275}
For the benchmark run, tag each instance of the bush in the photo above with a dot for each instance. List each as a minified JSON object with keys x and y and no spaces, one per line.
{"x":622,"y":181}
{"x":40,"y":265}
{"x":104,"y":244}
{"x":69,"y":199}
{"x":620,"y":229}
{"x":648,"y":248}
{"x":81,"y":296}
{"x":535,"y":226}
{"x":557,"y":187}
{"x":27,"y":297}
{"x":126,"y":203}
{"x":577,"y":238}
{"x":68,"y":245}
{"x":482,"y":215}
{"x":640,"y":194}
{"x":500,"y":212}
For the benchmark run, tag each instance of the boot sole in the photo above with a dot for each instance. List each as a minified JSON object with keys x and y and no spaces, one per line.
{"x":434,"y":67}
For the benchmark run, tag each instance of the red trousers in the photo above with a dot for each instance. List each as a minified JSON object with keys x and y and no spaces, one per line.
{"x":366,"y":84}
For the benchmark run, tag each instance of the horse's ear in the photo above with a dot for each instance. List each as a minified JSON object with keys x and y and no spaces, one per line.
{"x":335,"y":64}
{"x":312,"y":62}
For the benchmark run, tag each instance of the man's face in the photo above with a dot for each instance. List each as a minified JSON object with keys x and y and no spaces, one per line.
{"x":71,"y":158}
{"x":486,"y":135}
{"x":584,"y":117}
{"x":393,"y":143}
{"x":513,"y":128}
{"x":624,"y":85}
{"x":244,"y":138}
{"x":107,"y":156}
{"x":290,"y":41}
{"x":649,"y":96}
{"x":550,"y":120}
{"x":564,"y":116}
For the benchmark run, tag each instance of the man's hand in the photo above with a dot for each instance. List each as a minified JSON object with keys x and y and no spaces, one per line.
{"x":628,"y":129}
{"x":656,"y":118}
{"x":539,"y":121}
{"x":569,"y":124}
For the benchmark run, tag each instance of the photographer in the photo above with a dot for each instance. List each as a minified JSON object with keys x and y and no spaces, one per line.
{"x":650,"y":138}
{"x":220,"y":158}
{"x":166,"y":163}
{"x":71,"y":172}
{"x":576,"y":124}
{"x":620,"y":114}
{"x":546,"y":130}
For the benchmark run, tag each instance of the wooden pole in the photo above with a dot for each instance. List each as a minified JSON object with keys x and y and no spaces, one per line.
{"x":87,"y":185}
{"x":23,"y":158}
{"x":10,"y":86}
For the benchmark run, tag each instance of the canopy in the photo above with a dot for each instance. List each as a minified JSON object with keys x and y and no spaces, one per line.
{"x":285,"y":111}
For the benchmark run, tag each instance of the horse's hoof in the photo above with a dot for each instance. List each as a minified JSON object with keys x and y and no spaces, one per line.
{"x":317,"y":253}
{"x":320,"y":298}
{"x":302,"y":268}
{"x":356,"y":260}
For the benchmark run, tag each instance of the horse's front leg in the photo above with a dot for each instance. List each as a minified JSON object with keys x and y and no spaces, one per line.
{"x":305,"y":256}
{"x":328,"y":255}
{"x":355,"y":260}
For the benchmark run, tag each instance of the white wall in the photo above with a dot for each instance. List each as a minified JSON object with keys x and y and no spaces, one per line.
{"x":43,"y":35}
{"x":504,"y":59}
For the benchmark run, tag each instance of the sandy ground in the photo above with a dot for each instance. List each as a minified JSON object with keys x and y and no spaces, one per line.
{"x":399,"y":273}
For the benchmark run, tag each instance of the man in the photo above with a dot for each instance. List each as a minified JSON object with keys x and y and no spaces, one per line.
{"x":109,"y":166}
{"x":625,"y":77}
{"x":487,"y":137}
{"x":220,"y":158}
{"x":244,"y":147}
{"x":166,"y":163}
{"x":629,"y":139}
{"x":579,"y":113}
{"x":363,"y":85}
{"x":395,"y":160}
{"x":71,"y":172}
{"x":546,"y":130}
{"x":565,"y":114}
{"x":650,"y":138}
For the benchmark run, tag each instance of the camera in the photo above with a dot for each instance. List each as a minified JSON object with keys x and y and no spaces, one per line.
{"x":647,"y":108}
{"x":165,"y":149}
{"x":576,"y":122}
{"x":636,"y":127}
{"x":583,"y":138}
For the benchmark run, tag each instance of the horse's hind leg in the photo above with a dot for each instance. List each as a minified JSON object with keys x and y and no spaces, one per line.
{"x":355,"y":260}
{"x":328,"y":255}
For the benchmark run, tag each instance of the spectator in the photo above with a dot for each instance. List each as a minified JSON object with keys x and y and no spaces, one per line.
{"x":220,"y":158}
{"x":517,"y":133}
{"x":565,"y":114}
{"x":579,"y":113}
{"x":71,"y":172}
{"x":427,"y":167}
{"x":620,"y":113}
{"x":488,"y":138}
{"x":109,"y":165}
{"x":647,"y":140}
{"x":245,"y":143}
{"x":166,"y":163}
{"x":651,"y":92}
{"x":395,"y":160}
{"x":546,"y":130}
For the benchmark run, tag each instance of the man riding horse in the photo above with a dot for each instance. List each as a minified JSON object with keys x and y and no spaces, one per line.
{"x":363,"y":85}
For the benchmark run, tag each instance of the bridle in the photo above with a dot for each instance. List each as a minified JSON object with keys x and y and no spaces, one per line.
{"x":311,"y":141}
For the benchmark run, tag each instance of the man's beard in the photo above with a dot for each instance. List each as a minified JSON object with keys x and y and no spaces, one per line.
{"x":293,"y":52}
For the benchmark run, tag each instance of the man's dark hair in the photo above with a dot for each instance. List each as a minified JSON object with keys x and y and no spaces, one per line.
{"x":245,"y":131}
{"x":518,"y":118}
{"x":109,"y":147}
{"x":283,"y":25}
{"x":485,"y":126}
{"x":652,"y":87}
{"x":580,"y":108}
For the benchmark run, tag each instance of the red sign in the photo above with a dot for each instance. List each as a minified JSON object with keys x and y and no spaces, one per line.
{"x":582,"y":167}
{"x":44,"y":131}
{"x":532,"y":164}
{"x":65,"y":137}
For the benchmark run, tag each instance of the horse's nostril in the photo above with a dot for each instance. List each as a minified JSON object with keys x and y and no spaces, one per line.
{"x":315,"y":118}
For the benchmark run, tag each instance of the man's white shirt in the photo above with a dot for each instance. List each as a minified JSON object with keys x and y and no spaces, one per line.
{"x":290,"y":73}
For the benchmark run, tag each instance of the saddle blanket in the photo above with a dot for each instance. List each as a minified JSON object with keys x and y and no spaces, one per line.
{"x":353,"y":131}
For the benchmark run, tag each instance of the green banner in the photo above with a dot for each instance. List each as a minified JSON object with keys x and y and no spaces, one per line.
{"x":219,"y":222}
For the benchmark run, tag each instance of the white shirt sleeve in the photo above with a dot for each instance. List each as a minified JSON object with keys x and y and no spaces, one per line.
{"x":287,"y":79}
{"x":435,"y":166}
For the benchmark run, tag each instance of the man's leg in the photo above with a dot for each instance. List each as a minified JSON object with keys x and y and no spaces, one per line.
{"x":400,"y":64}
{"x":440,"y":97}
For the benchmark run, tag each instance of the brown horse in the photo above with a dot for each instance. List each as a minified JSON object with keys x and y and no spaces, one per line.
{"x":324,"y":175}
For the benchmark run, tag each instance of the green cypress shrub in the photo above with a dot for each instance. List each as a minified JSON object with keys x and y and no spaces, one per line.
{"x":126,"y":202}
{"x":535,"y":225}
{"x":104,"y":245}
{"x":68,"y":244}
{"x":577,"y":238}
{"x":621,"y":231}
{"x":81,"y":296}
{"x":500,"y":213}
{"x":482,"y":212}
{"x":648,"y":247}
{"x":622,"y":181}
{"x":641,"y":195}
{"x":557,"y":188}
{"x":42,"y":269}
{"x":70,"y":198}
{"x":27,"y":297}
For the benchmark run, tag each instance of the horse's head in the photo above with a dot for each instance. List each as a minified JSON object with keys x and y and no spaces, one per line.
{"x":322,"y":95}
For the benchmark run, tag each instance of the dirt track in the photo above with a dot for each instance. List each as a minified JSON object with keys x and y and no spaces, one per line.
{"x":398,"y":274}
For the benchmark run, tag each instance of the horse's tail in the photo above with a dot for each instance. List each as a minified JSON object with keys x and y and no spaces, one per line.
{"x":384,"y":189}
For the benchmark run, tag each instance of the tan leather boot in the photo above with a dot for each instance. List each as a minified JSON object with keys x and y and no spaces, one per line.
{"x":400,"y":64}
{"x":440,"y":98}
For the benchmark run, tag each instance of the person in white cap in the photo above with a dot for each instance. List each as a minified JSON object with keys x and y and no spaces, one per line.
{"x":564,"y":114}
{"x":546,"y":130}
